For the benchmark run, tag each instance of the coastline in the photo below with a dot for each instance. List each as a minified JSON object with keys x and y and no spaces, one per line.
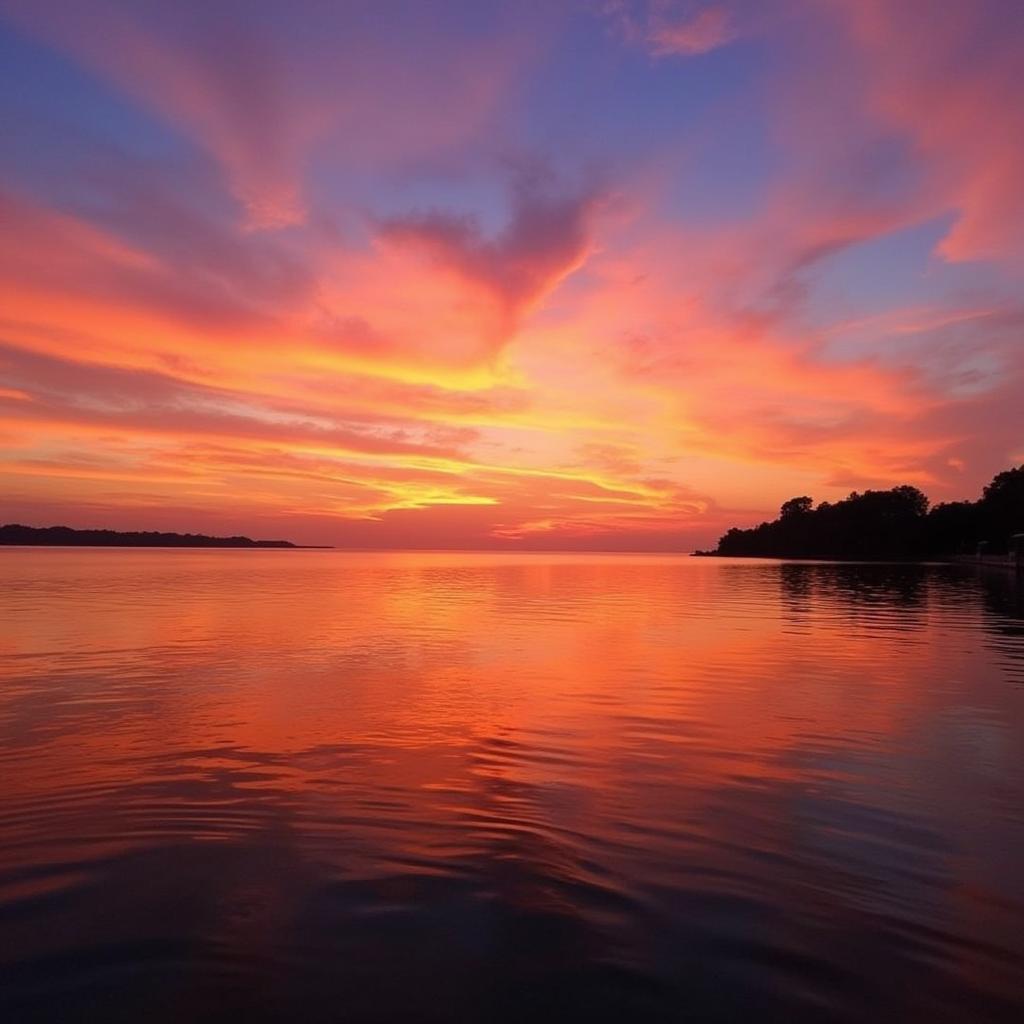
{"x":986,"y":561}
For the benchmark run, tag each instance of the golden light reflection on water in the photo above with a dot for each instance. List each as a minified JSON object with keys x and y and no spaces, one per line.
{"x":672,"y":769}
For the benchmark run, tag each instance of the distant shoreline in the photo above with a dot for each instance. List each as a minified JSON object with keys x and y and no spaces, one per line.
{"x":17,"y":535}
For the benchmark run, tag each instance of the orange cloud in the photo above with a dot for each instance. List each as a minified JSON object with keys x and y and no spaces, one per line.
{"x":440,"y":357}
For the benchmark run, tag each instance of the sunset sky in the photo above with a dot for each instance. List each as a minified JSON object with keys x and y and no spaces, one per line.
{"x":545,"y":273}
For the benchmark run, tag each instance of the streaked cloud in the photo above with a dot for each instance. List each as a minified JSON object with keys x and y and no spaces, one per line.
{"x":492,"y":275}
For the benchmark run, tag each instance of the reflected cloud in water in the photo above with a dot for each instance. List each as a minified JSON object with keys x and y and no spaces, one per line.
{"x":462,"y":787}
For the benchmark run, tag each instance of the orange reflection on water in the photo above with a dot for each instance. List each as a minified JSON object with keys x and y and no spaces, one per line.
{"x":581,"y":738}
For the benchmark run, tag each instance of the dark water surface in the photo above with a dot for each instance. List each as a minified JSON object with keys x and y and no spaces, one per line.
{"x":317,"y":786}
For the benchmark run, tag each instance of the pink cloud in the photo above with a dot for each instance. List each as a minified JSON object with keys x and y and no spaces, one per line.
{"x":700,"y":32}
{"x":219,"y":79}
{"x":548,"y":236}
{"x":586,"y":373}
{"x":948,"y":80}
{"x":225,"y":79}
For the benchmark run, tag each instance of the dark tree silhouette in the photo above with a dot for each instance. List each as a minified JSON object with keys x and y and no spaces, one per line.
{"x":796,"y":507}
{"x":887,"y":525}
{"x":1002,"y":508}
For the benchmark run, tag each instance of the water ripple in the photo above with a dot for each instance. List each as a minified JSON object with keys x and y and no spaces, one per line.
{"x":467,"y":787}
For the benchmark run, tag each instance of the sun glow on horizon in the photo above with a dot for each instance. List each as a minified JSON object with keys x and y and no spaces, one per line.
{"x":489,"y":275}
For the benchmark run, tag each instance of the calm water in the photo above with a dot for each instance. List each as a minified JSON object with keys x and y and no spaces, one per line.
{"x":308,"y":786}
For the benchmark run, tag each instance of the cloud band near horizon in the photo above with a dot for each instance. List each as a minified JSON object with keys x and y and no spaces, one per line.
{"x":613,"y":275}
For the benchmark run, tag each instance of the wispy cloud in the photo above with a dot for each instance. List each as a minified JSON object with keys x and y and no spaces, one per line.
{"x":691,"y":34}
{"x":280,"y":273}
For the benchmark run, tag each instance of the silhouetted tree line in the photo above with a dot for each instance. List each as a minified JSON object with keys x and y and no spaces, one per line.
{"x":57,"y":536}
{"x":893,"y":524}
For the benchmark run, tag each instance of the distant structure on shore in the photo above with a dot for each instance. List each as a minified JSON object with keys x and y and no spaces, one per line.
{"x":889,"y":525}
{"x":65,"y":536}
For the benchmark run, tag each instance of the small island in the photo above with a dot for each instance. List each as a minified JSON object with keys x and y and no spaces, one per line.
{"x":65,"y":536}
{"x":892,"y":525}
